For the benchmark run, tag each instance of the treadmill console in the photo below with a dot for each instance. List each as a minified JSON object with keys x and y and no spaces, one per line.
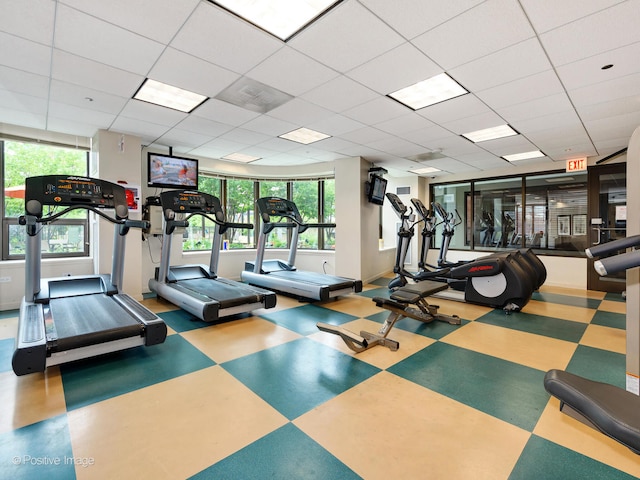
{"x":277,"y":207}
{"x":67,"y":191}
{"x":191,"y":201}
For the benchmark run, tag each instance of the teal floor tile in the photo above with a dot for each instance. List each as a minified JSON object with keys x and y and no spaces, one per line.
{"x":566,"y":299}
{"x":376,"y":292}
{"x":506,"y":390}
{"x":6,"y":353}
{"x":303,"y":319}
{"x":97,"y":379}
{"x":615,"y":297}
{"x":182,"y":321}
{"x":538,"y":324}
{"x":300,"y":375}
{"x":543,"y":459}
{"x":599,"y":365}
{"x":610,"y":319}
{"x":435,"y":329}
{"x":381,"y":282}
{"x":287,"y":453}
{"x":40,"y":450}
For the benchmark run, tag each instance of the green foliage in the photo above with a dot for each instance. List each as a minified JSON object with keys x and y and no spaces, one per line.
{"x":22,"y":160}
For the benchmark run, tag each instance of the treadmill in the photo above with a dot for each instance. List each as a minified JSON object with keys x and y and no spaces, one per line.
{"x":283,"y":276}
{"x":196,"y":288}
{"x":71,"y":318}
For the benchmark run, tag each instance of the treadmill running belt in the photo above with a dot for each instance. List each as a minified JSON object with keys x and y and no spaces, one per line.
{"x":90,"y":319}
{"x":334,"y":283}
{"x":227,"y":293}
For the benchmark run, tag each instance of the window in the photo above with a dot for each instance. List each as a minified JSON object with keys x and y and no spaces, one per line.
{"x":240,"y":201}
{"x":68,"y":236}
{"x":314,"y":198}
{"x":454,"y":199}
{"x":544,"y":211}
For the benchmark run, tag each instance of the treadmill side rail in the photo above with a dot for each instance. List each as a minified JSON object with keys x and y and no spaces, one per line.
{"x":155,"y":328}
{"x":30,"y":354}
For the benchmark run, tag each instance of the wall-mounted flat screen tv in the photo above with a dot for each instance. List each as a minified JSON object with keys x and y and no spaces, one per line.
{"x":377,"y":189}
{"x":168,"y":171}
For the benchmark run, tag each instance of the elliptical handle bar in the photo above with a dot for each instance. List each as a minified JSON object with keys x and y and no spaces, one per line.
{"x":611,"y":247}
{"x":617,"y":263}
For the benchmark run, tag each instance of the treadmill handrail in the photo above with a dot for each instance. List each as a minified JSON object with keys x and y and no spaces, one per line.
{"x":54,"y":217}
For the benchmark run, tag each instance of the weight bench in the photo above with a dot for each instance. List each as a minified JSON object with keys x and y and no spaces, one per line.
{"x":607,"y":408}
{"x":408,"y":301}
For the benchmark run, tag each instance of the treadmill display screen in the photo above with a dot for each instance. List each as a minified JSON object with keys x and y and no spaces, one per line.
{"x":70,"y":190}
{"x":185,"y":201}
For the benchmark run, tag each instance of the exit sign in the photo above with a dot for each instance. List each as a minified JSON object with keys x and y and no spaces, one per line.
{"x":576,"y":164}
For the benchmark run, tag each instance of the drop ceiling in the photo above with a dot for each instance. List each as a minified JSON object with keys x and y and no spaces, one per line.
{"x":72,"y":66}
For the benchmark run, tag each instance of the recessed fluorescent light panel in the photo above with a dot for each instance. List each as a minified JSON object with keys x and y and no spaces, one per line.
{"x":168,"y":96}
{"x":523,"y":156}
{"x":241,"y":157}
{"x":282,"y":18}
{"x":425,"y":170}
{"x":492,"y":133}
{"x":304,"y":135}
{"x":428,"y":92}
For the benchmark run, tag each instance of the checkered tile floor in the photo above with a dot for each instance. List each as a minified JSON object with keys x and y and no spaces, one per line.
{"x":269,"y":396}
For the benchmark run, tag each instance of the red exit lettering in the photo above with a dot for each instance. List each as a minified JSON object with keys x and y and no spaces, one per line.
{"x":576,"y":164}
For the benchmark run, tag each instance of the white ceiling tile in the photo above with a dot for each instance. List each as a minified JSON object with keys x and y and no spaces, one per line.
{"x":549,"y":14}
{"x":618,"y":126}
{"x":451,"y":165}
{"x":300,"y":111}
{"x":339,"y":94}
{"x":508,"y":145}
{"x":147,"y":131}
{"x":184,"y":140}
{"x":607,"y":30}
{"x":619,"y":106}
{"x":191,"y":73}
{"x":454,"y":109}
{"x":269,"y":126}
{"x":589,"y":71}
{"x":335,"y":125}
{"x":538,"y":107}
{"x":224,"y":112}
{"x":21,"y":54}
{"x":23,"y":118}
{"x":410,"y":122}
{"x":375,"y":111}
{"x":482,"y":160}
{"x":569,"y":151}
{"x":80,"y":71}
{"x":19,"y":81}
{"x":204,"y":126}
{"x":398,"y":68}
{"x":397,"y":146}
{"x":617,"y":88}
{"x":523,"y":90}
{"x":568,"y":118}
{"x":71,"y":127}
{"x":484,"y":29}
{"x":155,"y":19}
{"x":331,"y":39}
{"x":559,"y":137}
{"x":278,"y":145}
{"x":21,"y":102}
{"x":84,"y":97}
{"x":242,"y":136}
{"x":80,"y":115}
{"x":481,"y":121}
{"x":161,"y":115}
{"x":611,"y":145}
{"x":417,"y":16}
{"x":428,"y":136}
{"x":89,"y":37}
{"x":452,"y":146}
{"x":517,"y":61}
{"x":291,"y":72}
{"x":33,"y":23}
{"x":364,"y":136}
{"x":223,"y":39}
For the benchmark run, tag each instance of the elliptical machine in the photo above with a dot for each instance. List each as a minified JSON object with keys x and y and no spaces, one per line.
{"x":498,"y":281}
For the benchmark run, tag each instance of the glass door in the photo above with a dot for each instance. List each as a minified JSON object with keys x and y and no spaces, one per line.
{"x":607,"y":219}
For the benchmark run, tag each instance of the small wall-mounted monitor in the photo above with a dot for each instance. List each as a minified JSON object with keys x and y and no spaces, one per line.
{"x":377,"y":189}
{"x":168,"y":171}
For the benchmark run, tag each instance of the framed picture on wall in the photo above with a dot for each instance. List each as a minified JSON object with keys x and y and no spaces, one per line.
{"x":579,"y":224}
{"x":564,"y":225}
